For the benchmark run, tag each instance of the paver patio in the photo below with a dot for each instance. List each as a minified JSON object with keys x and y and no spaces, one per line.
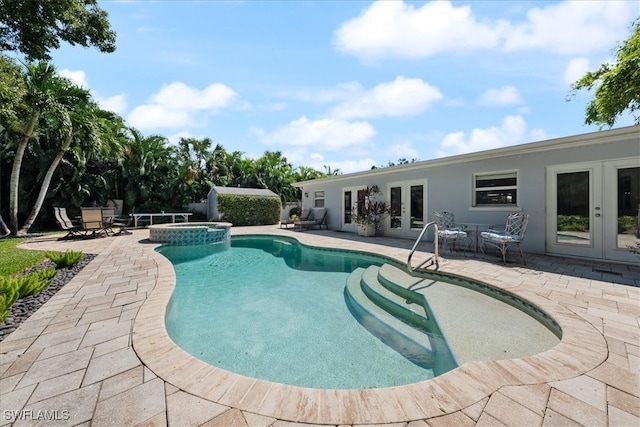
{"x":97,"y":353}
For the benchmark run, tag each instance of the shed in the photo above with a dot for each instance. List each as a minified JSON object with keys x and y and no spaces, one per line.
{"x":212,"y":197}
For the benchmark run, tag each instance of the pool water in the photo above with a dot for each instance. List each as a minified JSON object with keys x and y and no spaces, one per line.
{"x":276,"y":310}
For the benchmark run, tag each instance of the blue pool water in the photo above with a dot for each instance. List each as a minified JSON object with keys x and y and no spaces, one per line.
{"x":276,"y":310}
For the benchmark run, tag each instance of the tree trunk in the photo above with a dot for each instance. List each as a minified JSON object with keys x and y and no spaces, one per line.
{"x":3,"y":228}
{"x":14,"y":183}
{"x":44,"y":188}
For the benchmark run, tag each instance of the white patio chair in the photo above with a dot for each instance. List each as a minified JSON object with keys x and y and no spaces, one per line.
{"x":513,"y":234}
{"x":449,"y":233}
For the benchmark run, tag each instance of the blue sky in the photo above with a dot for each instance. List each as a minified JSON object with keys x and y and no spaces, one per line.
{"x":351,"y":84}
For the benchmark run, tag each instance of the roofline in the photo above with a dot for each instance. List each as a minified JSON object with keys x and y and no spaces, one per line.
{"x":603,"y":136}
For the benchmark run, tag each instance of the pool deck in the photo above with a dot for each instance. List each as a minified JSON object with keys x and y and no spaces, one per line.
{"x":97,"y":353}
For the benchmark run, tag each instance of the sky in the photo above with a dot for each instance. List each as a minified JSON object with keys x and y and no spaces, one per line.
{"x":347,"y":85}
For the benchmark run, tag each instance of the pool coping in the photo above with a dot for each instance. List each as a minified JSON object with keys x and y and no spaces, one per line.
{"x":581,"y":349}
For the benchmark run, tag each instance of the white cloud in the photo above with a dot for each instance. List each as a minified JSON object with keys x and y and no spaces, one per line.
{"x":402,"y":97}
{"x":506,"y":95}
{"x":330,"y":134}
{"x":572,"y":27}
{"x":152,"y":116}
{"x":116,"y":103}
{"x":388,"y":29}
{"x":78,"y":77}
{"x":177,"y":104}
{"x":512,"y":131}
{"x":318,"y":161}
{"x":179,"y":96}
{"x":575,"y":69}
{"x":397,"y":29}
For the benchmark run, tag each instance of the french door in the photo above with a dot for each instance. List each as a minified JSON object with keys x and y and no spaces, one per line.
{"x":408,"y":202}
{"x":592,"y":209}
{"x":349,"y":207}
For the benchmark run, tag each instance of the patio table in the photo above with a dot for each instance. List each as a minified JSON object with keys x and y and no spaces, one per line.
{"x":474,"y":229}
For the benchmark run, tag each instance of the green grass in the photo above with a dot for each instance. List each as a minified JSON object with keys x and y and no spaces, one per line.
{"x":14,"y":259}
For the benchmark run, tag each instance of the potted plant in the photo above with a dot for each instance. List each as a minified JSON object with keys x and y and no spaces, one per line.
{"x":369,"y":211}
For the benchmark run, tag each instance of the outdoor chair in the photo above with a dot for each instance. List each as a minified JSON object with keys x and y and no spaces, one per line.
{"x":65,"y":223}
{"x":314,"y":218}
{"x":92,"y":222}
{"x":110,"y":221}
{"x":511,"y":234}
{"x":448,"y":231}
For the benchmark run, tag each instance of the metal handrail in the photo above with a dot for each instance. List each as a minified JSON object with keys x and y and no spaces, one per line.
{"x":434,"y":258}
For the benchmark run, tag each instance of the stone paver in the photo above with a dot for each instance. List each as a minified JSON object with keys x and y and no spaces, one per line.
{"x":97,"y":353}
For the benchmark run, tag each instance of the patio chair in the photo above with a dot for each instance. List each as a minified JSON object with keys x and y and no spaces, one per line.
{"x":110,"y":221}
{"x":92,"y":222}
{"x":503,"y":237}
{"x":448,"y":231}
{"x":315,"y":218}
{"x":65,"y":223}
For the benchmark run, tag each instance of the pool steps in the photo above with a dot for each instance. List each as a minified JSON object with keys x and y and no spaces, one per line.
{"x":402,"y":310}
{"x":356,"y":295}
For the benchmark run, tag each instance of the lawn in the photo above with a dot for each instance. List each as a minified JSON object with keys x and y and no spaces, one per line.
{"x":14,"y":260}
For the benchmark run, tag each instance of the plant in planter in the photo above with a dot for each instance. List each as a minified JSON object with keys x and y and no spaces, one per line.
{"x":369,"y":211}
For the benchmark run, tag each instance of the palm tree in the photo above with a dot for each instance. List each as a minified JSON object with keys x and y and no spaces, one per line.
{"x":89,"y":126}
{"x":47,"y":95}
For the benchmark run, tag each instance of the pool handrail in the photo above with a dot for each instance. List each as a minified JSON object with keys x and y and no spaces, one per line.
{"x":434,"y":258}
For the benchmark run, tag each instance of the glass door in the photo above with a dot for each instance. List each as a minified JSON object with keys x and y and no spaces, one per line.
{"x":592,"y":209}
{"x":407,"y":201}
{"x":349,"y":208}
{"x":622,"y":193}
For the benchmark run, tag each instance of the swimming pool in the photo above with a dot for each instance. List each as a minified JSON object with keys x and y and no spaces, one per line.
{"x":271,"y":308}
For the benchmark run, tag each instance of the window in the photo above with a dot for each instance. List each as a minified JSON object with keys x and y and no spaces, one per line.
{"x":318,"y":199}
{"x":495,"y":189}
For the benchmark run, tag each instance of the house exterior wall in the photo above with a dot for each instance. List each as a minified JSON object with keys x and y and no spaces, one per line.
{"x":449,"y":181}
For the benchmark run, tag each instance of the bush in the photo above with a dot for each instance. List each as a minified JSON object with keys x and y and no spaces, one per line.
{"x":33,"y":283}
{"x":249,"y":210}
{"x":64,"y":259}
{"x":8,"y":295}
{"x":295,"y":211}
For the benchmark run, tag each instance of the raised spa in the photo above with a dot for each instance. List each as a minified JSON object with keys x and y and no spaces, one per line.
{"x":190,"y":233}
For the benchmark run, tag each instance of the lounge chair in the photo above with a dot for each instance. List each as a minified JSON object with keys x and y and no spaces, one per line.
{"x":315,"y":218}
{"x":65,"y":223}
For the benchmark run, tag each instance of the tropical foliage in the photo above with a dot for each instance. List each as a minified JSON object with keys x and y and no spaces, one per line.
{"x":369,"y":210}
{"x":617,"y":84}
{"x":59,"y":148}
{"x":36,"y":27}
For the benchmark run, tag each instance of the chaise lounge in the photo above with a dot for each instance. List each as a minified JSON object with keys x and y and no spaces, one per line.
{"x":316,"y":217}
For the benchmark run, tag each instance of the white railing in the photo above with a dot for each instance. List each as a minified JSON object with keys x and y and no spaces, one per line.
{"x":433,"y":259}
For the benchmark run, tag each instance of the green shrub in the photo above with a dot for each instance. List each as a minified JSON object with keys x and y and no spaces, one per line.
{"x":249,"y":210}
{"x":294,"y":211}
{"x":8,"y":295}
{"x":35,"y":282}
{"x":64,"y":259}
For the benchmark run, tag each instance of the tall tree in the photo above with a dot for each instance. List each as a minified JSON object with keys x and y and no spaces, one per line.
{"x":90,"y":129}
{"x":36,"y":27}
{"x":46,"y":93}
{"x":617,"y":85}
